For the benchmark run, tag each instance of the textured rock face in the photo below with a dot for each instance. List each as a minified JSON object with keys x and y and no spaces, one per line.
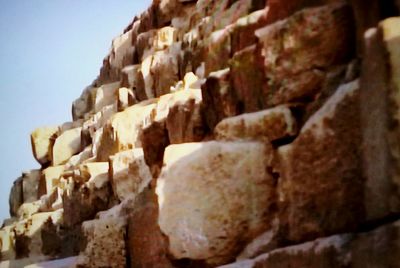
{"x":244,"y":133}
{"x":196,"y":179}
{"x":321,"y":170}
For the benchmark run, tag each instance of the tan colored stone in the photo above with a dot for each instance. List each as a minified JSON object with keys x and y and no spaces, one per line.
{"x":41,"y":143}
{"x":164,"y":38}
{"x":122,"y":51}
{"x":51,"y":177}
{"x":28,"y":233}
{"x":129,"y":173}
{"x":87,"y":192}
{"x":123,"y":130}
{"x":106,"y":95}
{"x":321,"y":181}
{"x":231,"y":177}
{"x":66,"y":145}
{"x":273,"y":124}
{"x":105,"y":243}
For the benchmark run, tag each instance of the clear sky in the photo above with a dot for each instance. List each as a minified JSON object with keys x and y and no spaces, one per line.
{"x":50,"y":50}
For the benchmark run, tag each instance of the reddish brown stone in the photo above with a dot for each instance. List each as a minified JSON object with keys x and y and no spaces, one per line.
{"x":146,"y":244}
{"x":377,"y":248}
{"x":248,"y":79}
{"x":321,"y":184}
{"x":218,"y":97}
{"x":297,"y":51}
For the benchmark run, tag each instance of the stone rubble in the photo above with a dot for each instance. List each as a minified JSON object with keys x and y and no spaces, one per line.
{"x":245,"y":133}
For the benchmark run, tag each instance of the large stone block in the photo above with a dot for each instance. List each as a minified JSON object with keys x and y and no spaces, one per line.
{"x":29,"y":232}
{"x":50,"y":178}
{"x":232,"y":177}
{"x":66,"y":145}
{"x":41,"y":141}
{"x":30,"y":185}
{"x":298,"y":49}
{"x":129,"y":173}
{"x":105,"y":95}
{"x":377,"y":248}
{"x":147,"y":246}
{"x":87,"y":192}
{"x":218,"y":98}
{"x":380,"y":117}
{"x":321,"y":185}
{"x":123,"y":130}
{"x":105,"y":243}
{"x":273,"y":124}
{"x":248,"y":79}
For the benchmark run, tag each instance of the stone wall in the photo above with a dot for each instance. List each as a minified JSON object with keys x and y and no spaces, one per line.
{"x":247,"y":133}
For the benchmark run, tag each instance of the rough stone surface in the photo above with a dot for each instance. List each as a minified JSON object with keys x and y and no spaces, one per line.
{"x":224,"y":132}
{"x":41,"y":140}
{"x":129,"y":173}
{"x":66,"y":145}
{"x":377,"y":248}
{"x":106,"y":243}
{"x":321,"y":185}
{"x":221,"y":174}
{"x":273,"y":124}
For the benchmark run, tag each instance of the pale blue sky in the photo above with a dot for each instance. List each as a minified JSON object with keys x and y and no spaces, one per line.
{"x":50,"y":50}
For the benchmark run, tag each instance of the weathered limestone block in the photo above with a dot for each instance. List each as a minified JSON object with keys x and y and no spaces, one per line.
{"x":164,"y":38}
{"x":123,"y":130}
{"x":105,"y":243}
{"x":125,"y":98}
{"x":321,"y":186}
{"x":7,"y":239}
{"x":122,"y":51}
{"x":231,"y":177}
{"x":177,"y":119}
{"x":84,"y":103}
{"x":184,"y":121}
{"x":88,"y":191}
{"x":50,"y":178}
{"x":164,"y":70}
{"x":243,"y":30}
{"x":275,"y":123}
{"x":129,"y":173}
{"x":248,"y":79}
{"x":376,"y":248}
{"x":66,"y":145}
{"x":27,"y":209}
{"x":143,"y":44}
{"x":147,"y":245}
{"x":218,"y":98}
{"x":16,"y":197}
{"x":380,"y":116}
{"x":85,"y":156}
{"x":95,"y":122}
{"x":147,"y":78}
{"x":105,"y":95}
{"x":24,"y":190}
{"x":28,"y":233}
{"x":41,"y":143}
{"x":30,"y":185}
{"x":218,"y":50}
{"x":297,"y":49}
